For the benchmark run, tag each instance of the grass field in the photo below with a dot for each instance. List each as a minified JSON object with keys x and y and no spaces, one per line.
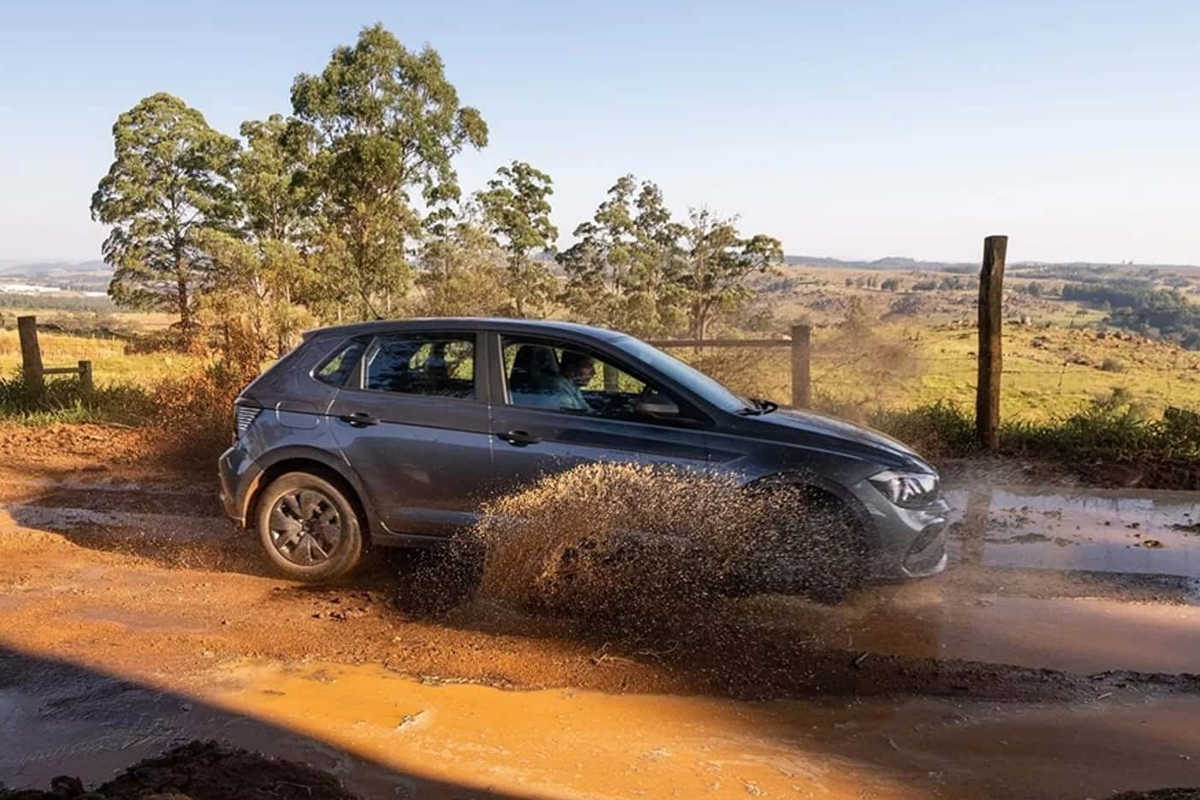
{"x":110,"y":363}
{"x":1056,"y":361}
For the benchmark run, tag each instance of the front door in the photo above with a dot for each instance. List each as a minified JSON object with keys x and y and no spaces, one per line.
{"x":566,"y":405}
{"x":413,"y":423}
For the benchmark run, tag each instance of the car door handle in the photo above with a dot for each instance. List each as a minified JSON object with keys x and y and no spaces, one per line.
{"x":359,"y":419}
{"x":518,"y":438}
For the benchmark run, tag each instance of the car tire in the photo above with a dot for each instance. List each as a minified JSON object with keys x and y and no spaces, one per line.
{"x":308,"y":528}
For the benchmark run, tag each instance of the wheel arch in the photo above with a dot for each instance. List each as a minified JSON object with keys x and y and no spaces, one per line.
{"x":313,"y":462}
{"x":822,"y":487}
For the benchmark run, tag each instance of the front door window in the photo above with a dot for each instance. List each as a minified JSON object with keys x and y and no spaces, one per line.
{"x":566,"y":378}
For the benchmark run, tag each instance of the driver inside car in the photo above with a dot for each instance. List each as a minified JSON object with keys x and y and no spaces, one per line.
{"x":575,"y":370}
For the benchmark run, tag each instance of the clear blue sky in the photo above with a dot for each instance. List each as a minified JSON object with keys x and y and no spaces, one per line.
{"x":851,"y":129}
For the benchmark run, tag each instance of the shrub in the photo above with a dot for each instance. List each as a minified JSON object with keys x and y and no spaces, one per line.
{"x":939,"y":429}
{"x":194,"y":413}
{"x":65,"y":400}
{"x":1111,"y":364}
{"x":1111,"y":427}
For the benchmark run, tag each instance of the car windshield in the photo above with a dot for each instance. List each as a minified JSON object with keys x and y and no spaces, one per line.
{"x":686,"y":376}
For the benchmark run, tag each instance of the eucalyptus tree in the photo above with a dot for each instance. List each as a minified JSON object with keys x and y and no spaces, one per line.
{"x":516,"y":207}
{"x":169,"y":186}
{"x":719,"y":263}
{"x":462,"y":269}
{"x":388,"y":124}
{"x":624,"y":268}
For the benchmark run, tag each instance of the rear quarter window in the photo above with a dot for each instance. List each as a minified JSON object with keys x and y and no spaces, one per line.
{"x":338,"y":367}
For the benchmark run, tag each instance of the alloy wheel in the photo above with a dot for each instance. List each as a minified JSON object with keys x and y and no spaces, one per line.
{"x":305,"y":527}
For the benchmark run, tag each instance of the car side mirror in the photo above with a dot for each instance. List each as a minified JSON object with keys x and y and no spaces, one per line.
{"x":657,"y":408}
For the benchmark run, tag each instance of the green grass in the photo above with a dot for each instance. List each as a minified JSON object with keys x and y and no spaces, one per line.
{"x":110,"y":362}
{"x":65,"y":401}
{"x":1039,"y":384}
{"x":1108,"y":431}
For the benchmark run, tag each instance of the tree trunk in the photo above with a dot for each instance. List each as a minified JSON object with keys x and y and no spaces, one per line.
{"x":185,"y":311}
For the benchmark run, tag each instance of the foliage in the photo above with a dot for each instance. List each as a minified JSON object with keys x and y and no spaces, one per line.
{"x":1110,"y":428}
{"x":169,"y":183}
{"x":1155,"y":313}
{"x":635,"y":268}
{"x":517,"y":210}
{"x":718,"y":262}
{"x":461,"y":271}
{"x":275,"y":180}
{"x":193,"y":420}
{"x":386,"y":122}
{"x":64,"y":400}
{"x":625,"y":268}
{"x":937,"y":430}
{"x":252,"y":295}
{"x":55,"y":302}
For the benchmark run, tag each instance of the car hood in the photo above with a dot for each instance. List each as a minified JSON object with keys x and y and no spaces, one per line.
{"x":803,"y":426}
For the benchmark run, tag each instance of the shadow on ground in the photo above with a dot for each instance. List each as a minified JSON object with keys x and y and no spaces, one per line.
{"x":62,"y":718}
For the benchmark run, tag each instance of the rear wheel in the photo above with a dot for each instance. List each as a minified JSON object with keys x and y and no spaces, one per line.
{"x":308,"y":528}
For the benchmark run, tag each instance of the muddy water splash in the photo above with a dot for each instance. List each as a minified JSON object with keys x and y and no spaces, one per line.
{"x":647,"y":545}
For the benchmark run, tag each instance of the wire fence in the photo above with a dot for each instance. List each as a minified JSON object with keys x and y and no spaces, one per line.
{"x":857,"y":376}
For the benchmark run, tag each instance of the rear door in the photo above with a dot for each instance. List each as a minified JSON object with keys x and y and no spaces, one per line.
{"x":541,"y":428}
{"x":413,"y":423}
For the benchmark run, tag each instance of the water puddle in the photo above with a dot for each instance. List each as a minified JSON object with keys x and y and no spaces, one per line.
{"x":1083,"y":635}
{"x":1094,"y":530}
{"x":388,"y":736}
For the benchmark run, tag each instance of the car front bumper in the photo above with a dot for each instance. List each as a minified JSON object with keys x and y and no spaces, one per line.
{"x":906,"y":543}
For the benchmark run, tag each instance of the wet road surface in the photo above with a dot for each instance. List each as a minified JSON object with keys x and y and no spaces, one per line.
{"x":160,"y":625}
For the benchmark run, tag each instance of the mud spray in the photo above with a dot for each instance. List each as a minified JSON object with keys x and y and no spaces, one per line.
{"x":644,"y":547}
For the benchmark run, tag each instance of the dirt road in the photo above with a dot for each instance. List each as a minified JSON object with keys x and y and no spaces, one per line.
{"x":1057,"y":659}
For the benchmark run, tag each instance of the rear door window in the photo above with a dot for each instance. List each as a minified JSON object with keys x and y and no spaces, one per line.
{"x":442,"y":366}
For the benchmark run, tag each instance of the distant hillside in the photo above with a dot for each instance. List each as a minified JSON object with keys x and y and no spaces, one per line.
{"x":82,"y":275}
{"x":95,"y":275}
{"x":1025,"y":267}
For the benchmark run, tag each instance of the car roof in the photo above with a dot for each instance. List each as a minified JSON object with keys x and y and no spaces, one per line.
{"x":500,"y":324}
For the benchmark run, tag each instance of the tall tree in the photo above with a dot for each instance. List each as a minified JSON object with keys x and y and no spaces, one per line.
{"x":273,"y":268}
{"x":169,"y":183}
{"x":388,"y":122}
{"x":719,"y":262}
{"x":516,"y":207}
{"x":462,"y":269}
{"x":625,"y":266}
{"x":275,"y":180}
{"x":251,"y":302}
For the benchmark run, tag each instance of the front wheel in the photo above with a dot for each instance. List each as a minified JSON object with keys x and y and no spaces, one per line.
{"x":308,"y":528}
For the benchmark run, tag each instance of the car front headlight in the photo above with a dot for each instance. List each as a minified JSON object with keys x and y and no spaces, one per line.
{"x":907,"y":489}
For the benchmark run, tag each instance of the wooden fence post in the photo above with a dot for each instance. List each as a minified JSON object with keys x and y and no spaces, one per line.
{"x":987,"y":388}
{"x":801,"y":353}
{"x":86,"y":384}
{"x":31,"y":356}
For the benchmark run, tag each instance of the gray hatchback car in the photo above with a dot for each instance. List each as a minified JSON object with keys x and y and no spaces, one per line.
{"x":394,"y":433}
